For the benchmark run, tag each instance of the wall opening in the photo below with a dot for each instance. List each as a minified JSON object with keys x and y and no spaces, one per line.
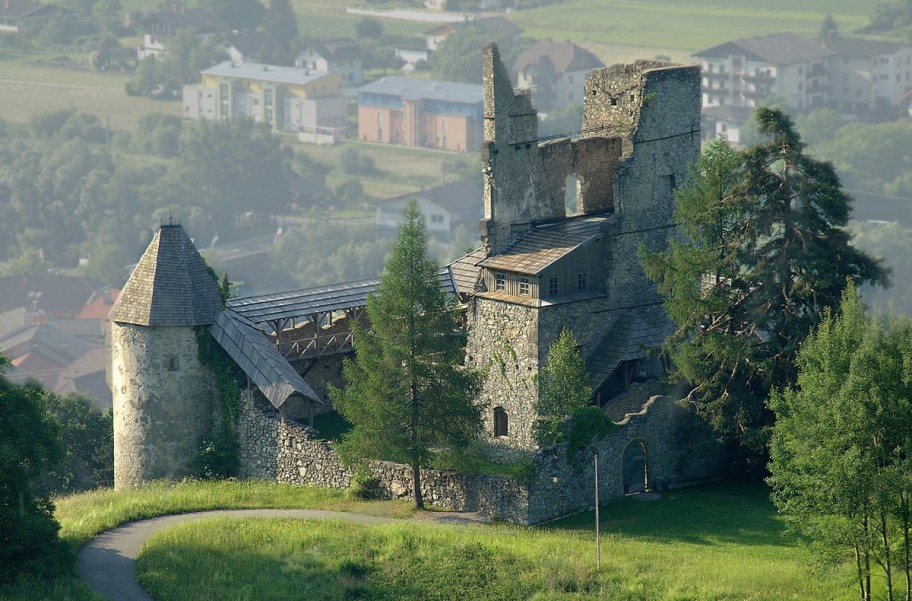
{"x":173,"y":364}
{"x":501,"y":422}
{"x":634,"y":465}
{"x":571,"y":195}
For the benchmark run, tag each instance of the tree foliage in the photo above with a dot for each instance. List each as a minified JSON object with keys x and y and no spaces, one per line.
{"x":763,"y":253}
{"x":29,"y":447}
{"x":87,"y":438}
{"x":282,"y":24}
{"x":458,"y":58}
{"x":407,"y":391}
{"x":563,"y":387}
{"x":842,"y":443}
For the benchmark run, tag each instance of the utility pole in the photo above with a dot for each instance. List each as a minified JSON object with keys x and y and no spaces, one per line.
{"x":598,"y":542}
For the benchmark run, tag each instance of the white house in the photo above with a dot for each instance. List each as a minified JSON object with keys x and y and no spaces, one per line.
{"x":444,"y":208}
{"x":868,"y":75}
{"x":744,"y":72}
{"x":554,"y":72}
{"x":342,"y":56}
{"x":161,"y":26}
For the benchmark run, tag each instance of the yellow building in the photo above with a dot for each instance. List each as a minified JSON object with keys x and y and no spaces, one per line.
{"x":288,"y":98}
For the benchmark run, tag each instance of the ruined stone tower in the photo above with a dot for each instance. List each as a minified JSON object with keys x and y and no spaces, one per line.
{"x":162,"y":395}
{"x":543,"y":268}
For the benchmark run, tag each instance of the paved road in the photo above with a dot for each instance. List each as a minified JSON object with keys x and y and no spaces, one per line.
{"x":108,"y":563}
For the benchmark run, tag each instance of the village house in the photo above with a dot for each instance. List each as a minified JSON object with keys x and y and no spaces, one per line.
{"x":15,"y":13}
{"x":744,"y":72}
{"x":868,"y":76}
{"x":160,"y":27}
{"x":249,"y":46}
{"x":445,"y":208}
{"x":334,"y":55}
{"x":421,"y":112}
{"x":554,"y":72}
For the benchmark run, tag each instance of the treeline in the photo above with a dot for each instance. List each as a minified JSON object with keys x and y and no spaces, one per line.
{"x":74,"y":193}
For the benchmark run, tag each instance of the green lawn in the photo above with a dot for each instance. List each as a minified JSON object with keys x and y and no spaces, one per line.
{"x":84,"y":515}
{"x":683,"y":26}
{"x":712,"y":543}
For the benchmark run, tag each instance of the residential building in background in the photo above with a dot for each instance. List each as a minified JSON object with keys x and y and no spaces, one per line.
{"x":868,"y":75}
{"x":445,"y":208}
{"x":287,"y":98}
{"x":554,"y":72}
{"x":249,"y":46}
{"x":161,"y":27}
{"x":724,"y":122}
{"x":421,"y":112}
{"x":785,"y":65}
{"x":13,"y":13}
{"x":342,"y":56}
{"x":52,"y":329}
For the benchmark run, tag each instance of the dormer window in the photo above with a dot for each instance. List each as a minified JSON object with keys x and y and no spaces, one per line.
{"x":500,"y":281}
{"x":552,"y":286}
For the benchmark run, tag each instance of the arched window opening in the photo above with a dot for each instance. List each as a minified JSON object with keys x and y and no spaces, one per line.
{"x":501,"y":422}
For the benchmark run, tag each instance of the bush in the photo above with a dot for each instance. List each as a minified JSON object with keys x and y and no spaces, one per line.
{"x":365,"y":486}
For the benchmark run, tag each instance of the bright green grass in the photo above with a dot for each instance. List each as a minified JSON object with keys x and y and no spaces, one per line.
{"x":690,"y":26}
{"x":690,"y":545}
{"x":84,"y":515}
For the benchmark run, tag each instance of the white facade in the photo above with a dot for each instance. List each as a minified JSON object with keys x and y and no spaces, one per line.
{"x":349,"y":68}
{"x":550,"y":90}
{"x":738,"y":81}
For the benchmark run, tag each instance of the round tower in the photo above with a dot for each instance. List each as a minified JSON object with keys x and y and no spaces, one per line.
{"x":162,"y":393}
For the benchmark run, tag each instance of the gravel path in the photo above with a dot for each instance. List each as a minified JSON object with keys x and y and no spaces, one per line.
{"x":108,"y":563}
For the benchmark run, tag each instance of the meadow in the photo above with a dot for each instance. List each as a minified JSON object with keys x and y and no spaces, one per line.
{"x":713,"y":543}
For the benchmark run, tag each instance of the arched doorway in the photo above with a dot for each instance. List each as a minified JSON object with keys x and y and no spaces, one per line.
{"x":636,"y":477}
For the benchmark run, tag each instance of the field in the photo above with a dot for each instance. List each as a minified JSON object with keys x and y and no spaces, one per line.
{"x":715,"y":543}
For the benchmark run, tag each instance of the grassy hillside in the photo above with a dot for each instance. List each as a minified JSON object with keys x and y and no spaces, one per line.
{"x":715,"y":543}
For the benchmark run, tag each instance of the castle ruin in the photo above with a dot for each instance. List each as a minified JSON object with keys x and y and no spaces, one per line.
{"x":542,"y":267}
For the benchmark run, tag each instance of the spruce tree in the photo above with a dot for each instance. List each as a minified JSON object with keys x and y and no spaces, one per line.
{"x":407,"y":391}
{"x":763,"y":252}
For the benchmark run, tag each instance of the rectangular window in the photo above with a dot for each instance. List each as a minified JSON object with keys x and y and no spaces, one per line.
{"x":499,"y":282}
{"x":436,"y":218}
{"x":552,"y":286}
{"x":582,"y":281}
{"x":524,"y":286}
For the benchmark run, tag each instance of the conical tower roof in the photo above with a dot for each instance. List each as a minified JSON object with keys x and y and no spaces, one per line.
{"x":170,"y":285}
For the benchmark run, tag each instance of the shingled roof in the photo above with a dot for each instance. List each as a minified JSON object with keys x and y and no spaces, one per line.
{"x":776,"y":49}
{"x":259,"y":359}
{"x":564,"y":56}
{"x":170,"y":285}
{"x":545,"y":244}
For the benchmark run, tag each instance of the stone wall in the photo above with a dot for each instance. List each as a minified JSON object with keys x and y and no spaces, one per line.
{"x":674,"y":458}
{"x":162,"y":402}
{"x":503,"y":340}
{"x":676,"y":455}
{"x":289,"y":452}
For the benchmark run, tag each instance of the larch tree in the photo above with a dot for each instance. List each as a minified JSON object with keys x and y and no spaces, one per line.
{"x":841,"y":446}
{"x":563,"y":387}
{"x":763,"y":252}
{"x":407,"y":391}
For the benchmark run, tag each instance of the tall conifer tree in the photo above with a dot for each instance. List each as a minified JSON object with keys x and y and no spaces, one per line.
{"x":763,"y":253}
{"x":407,"y":390}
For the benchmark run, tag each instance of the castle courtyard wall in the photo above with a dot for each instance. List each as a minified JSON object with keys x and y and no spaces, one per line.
{"x":288,"y":452}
